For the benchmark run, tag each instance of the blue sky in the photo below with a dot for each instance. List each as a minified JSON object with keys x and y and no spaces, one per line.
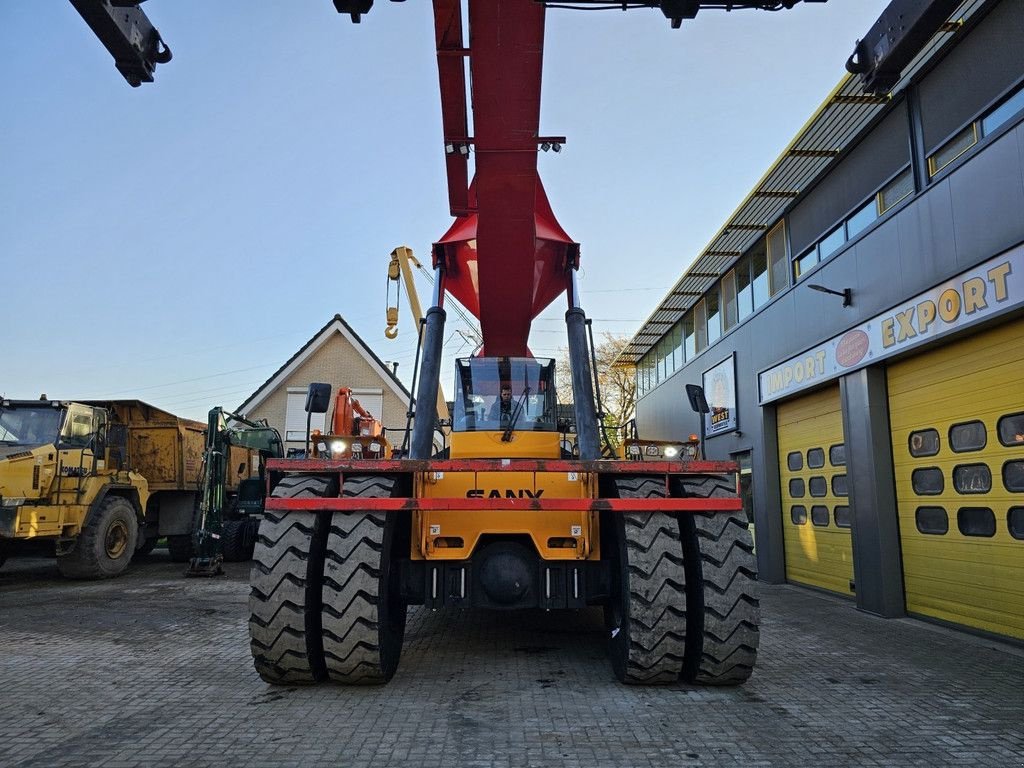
{"x":179,"y":241}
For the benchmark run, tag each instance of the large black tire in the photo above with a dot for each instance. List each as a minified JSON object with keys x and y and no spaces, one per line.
{"x":106,"y":543}
{"x":232,"y":541}
{"x":285,"y":581}
{"x":647,"y":614}
{"x":721,"y":580}
{"x":363,"y":614}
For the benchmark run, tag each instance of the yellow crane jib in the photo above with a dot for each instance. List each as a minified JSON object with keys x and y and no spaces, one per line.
{"x":394,"y":275}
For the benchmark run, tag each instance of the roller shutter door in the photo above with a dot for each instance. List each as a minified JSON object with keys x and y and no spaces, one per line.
{"x":957,"y":418}
{"x":816,"y":514}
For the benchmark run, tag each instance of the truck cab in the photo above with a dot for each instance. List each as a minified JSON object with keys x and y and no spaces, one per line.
{"x":58,"y":476}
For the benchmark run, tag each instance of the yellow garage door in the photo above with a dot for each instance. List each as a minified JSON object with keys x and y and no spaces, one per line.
{"x":957,"y":418}
{"x":815,"y":512}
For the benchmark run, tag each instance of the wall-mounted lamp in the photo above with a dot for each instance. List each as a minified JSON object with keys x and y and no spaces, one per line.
{"x":846,"y":293}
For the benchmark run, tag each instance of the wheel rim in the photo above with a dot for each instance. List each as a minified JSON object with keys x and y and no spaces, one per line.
{"x":116,"y":541}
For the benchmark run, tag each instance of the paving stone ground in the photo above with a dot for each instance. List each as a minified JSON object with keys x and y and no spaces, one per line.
{"x":153,"y":669}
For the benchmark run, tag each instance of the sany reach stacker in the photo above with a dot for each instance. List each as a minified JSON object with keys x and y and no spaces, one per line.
{"x":518,"y":510}
{"x":506,"y":518}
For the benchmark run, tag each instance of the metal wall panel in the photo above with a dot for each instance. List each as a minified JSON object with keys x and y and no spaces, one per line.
{"x":982,"y":66}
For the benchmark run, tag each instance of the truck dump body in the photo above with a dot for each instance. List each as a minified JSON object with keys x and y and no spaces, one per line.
{"x":166,"y":449}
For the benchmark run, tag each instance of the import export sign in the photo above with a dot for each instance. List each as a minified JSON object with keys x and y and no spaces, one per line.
{"x":990,"y":289}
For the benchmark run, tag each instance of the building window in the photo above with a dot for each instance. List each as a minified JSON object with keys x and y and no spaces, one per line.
{"x":969,"y":436}
{"x":837,"y":455}
{"x":924,"y":442}
{"x":777,"y":258}
{"x":1013,"y":476}
{"x":952,"y":149}
{"x":664,"y":351}
{"x":1011,"y":429}
{"x":759,"y":276}
{"x":831,"y":242}
{"x":862,"y":219}
{"x":816,"y":458}
{"x":805,"y":263}
{"x":932,"y":520}
{"x":976,"y":521}
{"x":295,"y":417}
{"x":1015,"y":522}
{"x":842,"y":517}
{"x":729,"y":314}
{"x":819,"y":515}
{"x":714,"y":310}
{"x":895,"y":191}
{"x":817,"y":486}
{"x":972,"y":478}
{"x":744,"y":290}
{"x":700,"y":325}
{"x":927,"y":481}
{"x":1010,"y":108}
{"x":839,"y":487}
{"x":689,"y":336}
{"x":798,"y":515}
{"x":677,"y":347}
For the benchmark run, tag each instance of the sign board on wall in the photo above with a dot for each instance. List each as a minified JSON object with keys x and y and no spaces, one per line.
{"x":986,"y":291}
{"x":720,"y":390}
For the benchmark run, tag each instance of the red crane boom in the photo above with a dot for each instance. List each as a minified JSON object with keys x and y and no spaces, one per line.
{"x":505,"y":257}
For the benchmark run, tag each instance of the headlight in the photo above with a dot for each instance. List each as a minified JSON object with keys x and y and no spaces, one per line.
{"x":357,"y":447}
{"x":338,"y":446}
{"x":375,"y":446}
{"x":671,"y":452}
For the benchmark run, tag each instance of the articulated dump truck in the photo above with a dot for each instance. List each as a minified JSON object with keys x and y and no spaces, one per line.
{"x":100,"y":480}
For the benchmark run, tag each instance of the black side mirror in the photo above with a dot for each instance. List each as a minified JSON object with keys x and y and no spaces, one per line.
{"x":695,"y":394}
{"x":318,"y":398}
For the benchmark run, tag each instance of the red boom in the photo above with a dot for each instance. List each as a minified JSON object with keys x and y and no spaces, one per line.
{"x":506,"y":255}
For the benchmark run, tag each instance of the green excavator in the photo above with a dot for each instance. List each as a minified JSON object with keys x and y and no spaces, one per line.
{"x":227,"y":523}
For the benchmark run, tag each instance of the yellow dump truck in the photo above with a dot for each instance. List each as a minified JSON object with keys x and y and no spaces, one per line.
{"x":102,"y":480}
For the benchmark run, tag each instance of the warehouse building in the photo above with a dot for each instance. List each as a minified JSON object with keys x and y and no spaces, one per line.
{"x":858,"y":327}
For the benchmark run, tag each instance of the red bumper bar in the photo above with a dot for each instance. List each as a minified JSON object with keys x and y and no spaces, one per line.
{"x":405,"y":466}
{"x":354,"y":504}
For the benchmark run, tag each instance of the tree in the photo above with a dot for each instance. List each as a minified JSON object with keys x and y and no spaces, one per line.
{"x":617,"y":383}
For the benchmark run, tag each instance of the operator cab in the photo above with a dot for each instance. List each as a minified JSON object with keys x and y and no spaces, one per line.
{"x":30,"y":423}
{"x":502,"y":393}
